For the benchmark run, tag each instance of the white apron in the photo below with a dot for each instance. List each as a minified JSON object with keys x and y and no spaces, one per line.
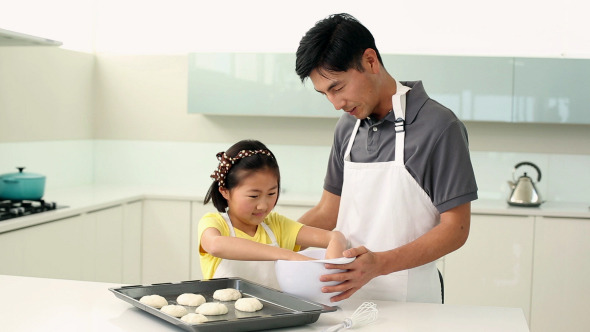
{"x":382,"y":207}
{"x":261,"y":272}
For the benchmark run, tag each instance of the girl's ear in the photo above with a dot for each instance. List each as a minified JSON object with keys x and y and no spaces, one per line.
{"x":224,"y":192}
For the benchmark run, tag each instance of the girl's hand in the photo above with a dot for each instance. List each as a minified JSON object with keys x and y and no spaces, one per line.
{"x":336,"y":246}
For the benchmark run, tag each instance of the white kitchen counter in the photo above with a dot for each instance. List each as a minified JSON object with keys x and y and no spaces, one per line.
{"x":37,"y":304}
{"x":92,"y":198}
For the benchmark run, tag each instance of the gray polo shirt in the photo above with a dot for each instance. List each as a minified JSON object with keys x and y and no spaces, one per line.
{"x":436,"y":149}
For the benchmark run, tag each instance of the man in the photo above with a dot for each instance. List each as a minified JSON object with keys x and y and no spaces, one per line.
{"x":399,"y":181}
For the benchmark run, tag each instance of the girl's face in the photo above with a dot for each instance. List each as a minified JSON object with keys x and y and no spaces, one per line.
{"x":252,"y":199}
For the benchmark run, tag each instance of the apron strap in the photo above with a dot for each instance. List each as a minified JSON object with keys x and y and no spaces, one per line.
{"x":400,"y":125}
{"x":351,"y":140}
{"x":232,"y":232}
{"x":400,"y":121}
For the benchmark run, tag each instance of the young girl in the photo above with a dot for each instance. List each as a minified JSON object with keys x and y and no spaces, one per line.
{"x":245,"y":237}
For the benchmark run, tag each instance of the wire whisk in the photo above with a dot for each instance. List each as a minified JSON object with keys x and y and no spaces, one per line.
{"x":366,"y":313}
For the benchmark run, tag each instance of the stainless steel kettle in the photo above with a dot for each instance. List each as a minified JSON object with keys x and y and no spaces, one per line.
{"x":524,"y":192}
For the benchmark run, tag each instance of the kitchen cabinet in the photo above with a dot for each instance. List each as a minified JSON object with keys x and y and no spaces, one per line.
{"x":132,"y":221}
{"x":112,"y":242}
{"x":551,"y":90}
{"x":53,"y":249}
{"x":13,"y":38}
{"x":251,"y":84}
{"x":166,"y":241}
{"x":11,"y":253}
{"x":560,"y":288}
{"x":495,"y":265}
{"x":102,"y":245}
{"x":476,"y":88}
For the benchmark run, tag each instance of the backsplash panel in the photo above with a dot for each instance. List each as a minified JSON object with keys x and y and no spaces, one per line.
{"x":64,"y":163}
{"x":565,"y":178}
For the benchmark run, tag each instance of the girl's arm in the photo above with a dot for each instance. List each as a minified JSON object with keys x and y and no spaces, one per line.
{"x":334,"y":242}
{"x":228,"y":247}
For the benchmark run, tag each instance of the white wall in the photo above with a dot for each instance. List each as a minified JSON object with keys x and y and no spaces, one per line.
{"x":45,"y":94}
{"x":123,"y":118}
{"x":501,"y":27}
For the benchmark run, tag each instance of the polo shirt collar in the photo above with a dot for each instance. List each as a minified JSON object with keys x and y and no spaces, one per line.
{"x":415,"y":99}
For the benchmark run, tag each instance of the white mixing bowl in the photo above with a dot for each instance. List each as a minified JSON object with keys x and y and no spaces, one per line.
{"x":302,"y":278}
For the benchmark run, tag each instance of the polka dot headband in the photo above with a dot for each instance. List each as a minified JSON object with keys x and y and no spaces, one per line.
{"x":226,"y":162}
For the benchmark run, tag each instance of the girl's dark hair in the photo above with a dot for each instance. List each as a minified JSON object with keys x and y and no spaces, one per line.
{"x":250,"y":164}
{"x":336,"y":43}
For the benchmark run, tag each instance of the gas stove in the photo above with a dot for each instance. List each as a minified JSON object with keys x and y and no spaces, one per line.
{"x":10,"y":209}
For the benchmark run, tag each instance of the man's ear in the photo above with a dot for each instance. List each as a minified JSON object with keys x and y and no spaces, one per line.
{"x":371,"y":61}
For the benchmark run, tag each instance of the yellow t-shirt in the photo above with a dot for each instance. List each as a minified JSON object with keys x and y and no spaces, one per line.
{"x":284,"y":229}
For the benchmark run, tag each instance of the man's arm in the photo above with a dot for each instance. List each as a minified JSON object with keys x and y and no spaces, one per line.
{"x":449,"y":235}
{"x":325,"y":214}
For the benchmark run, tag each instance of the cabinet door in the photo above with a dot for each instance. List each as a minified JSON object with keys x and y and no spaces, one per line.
{"x":52,"y":250}
{"x":108,"y":245}
{"x":473,"y":87}
{"x":561,"y":275}
{"x":166,"y":241}
{"x":11,"y":253}
{"x":132,"y":218}
{"x":551,"y":90}
{"x":494,"y":267}
{"x":251,"y":84}
{"x":102,"y":245}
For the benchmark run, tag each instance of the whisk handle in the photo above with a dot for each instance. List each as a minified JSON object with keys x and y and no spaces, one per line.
{"x":335,"y":328}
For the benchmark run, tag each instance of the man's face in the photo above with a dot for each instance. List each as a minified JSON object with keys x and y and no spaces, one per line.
{"x":351,"y":91}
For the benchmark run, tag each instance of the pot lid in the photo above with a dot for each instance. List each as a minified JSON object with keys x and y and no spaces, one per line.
{"x":21,"y":175}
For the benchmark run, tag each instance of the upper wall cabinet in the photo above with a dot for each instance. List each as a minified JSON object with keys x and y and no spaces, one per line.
{"x":251,"y":84}
{"x":476,"y":88}
{"x":12,"y":38}
{"x":551,"y":90}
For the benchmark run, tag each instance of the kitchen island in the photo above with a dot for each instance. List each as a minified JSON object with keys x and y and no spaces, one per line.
{"x":40,"y":304}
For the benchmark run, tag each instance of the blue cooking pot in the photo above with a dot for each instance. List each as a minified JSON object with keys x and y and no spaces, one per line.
{"x":22,"y":185}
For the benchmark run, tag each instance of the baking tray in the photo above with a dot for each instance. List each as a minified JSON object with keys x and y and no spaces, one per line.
{"x":279,"y":310}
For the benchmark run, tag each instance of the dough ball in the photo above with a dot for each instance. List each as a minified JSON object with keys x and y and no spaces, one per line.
{"x":194,"y":318}
{"x":190,"y":299}
{"x":248,"y":304}
{"x":212,"y":309}
{"x":174,"y":310}
{"x":227,"y":294}
{"x":155,"y":301}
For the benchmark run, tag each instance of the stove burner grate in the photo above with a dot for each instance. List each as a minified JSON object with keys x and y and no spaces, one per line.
{"x":17,"y":208}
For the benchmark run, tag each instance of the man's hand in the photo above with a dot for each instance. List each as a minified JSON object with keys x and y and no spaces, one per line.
{"x":359,"y":272}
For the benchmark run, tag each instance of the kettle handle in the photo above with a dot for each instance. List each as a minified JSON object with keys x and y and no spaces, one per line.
{"x":528,"y":163}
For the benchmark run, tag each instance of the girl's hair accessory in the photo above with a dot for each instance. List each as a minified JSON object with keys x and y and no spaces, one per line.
{"x":226,"y":162}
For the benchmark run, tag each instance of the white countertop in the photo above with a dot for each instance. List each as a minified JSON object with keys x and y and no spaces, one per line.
{"x":38,"y":304}
{"x":91,"y":198}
